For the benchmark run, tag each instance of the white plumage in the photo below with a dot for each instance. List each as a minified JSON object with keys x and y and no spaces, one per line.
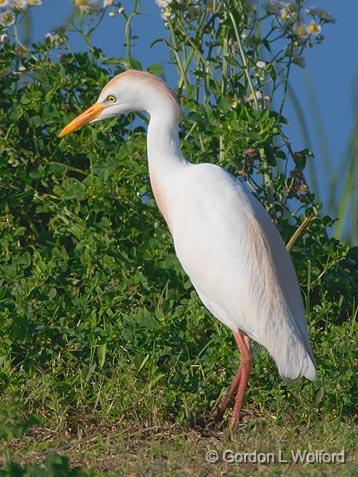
{"x":238,"y":264}
{"x":223,"y":237}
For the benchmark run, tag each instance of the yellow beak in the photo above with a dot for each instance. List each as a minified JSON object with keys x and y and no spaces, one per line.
{"x":86,"y":117}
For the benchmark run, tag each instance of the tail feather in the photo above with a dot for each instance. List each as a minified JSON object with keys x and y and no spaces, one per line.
{"x":294,"y":360}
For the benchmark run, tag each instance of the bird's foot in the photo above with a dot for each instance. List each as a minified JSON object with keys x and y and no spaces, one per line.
{"x":221,"y":407}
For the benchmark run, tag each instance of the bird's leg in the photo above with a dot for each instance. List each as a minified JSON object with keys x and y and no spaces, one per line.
{"x":243,"y":344}
{"x":221,"y":407}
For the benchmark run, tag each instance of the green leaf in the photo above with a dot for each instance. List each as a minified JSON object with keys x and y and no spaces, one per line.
{"x":101,"y":353}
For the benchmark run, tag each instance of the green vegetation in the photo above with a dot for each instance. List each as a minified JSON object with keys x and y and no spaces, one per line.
{"x":106,"y":353}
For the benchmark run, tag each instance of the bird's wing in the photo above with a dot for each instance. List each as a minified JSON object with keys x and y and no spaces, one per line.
{"x":238,"y":263}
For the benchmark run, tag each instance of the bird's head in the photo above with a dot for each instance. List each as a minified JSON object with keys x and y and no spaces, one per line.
{"x":126,"y":92}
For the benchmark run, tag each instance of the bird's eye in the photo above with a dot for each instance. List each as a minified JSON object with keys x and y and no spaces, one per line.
{"x":111,"y":98}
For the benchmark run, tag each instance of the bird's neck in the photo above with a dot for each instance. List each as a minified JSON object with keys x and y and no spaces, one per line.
{"x":163,"y":145}
{"x":164,"y":158}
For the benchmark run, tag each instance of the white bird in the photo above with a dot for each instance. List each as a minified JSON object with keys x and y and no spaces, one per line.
{"x":223,"y":237}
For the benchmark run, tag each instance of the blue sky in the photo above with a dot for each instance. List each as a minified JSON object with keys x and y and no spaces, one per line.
{"x":325,"y":88}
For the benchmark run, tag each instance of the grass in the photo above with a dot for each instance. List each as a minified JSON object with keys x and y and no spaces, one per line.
{"x":135,"y":449}
{"x":133,"y":421}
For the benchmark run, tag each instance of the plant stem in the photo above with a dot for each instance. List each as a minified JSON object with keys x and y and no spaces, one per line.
{"x":299,"y":231}
{"x":244,"y":60}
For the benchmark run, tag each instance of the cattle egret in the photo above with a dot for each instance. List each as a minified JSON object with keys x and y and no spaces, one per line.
{"x":223,"y":237}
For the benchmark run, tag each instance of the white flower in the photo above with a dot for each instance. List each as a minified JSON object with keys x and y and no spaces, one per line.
{"x":167,"y":14}
{"x":3,"y":38}
{"x":4,"y":3}
{"x":163,"y":3}
{"x":89,"y":6}
{"x":274,"y":7}
{"x":167,"y":3}
{"x":262,"y":100}
{"x":18,"y":5}
{"x":261,"y":65}
{"x":321,"y":14}
{"x":7,"y":18}
{"x":55,"y":39}
{"x":289,"y":12}
{"x":313,"y":29}
{"x":313,"y":11}
{"x":251,"y":96}
{"x":326,"y":17}
{"x":300,"y":29}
